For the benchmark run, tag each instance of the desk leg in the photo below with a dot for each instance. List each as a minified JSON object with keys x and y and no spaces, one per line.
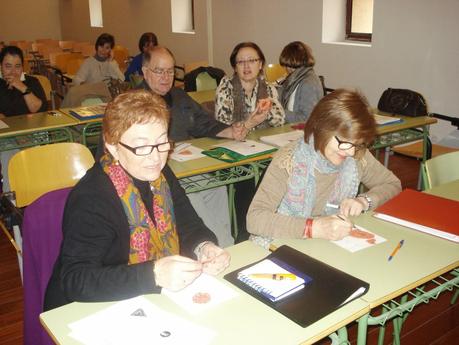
{"x":386,"y":156}
{"x":340,"y":337}
{"x":382,"y":328}
{"x":232,"y":210}
{"x":425,"y":132}
{"x":362,"y":329}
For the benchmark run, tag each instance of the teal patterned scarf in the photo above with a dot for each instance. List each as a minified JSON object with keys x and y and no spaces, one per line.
{"x":300,"y":198}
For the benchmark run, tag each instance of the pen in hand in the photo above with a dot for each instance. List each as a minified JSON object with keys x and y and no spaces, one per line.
{"x":346,"y":220}
{"x":396,"y":249}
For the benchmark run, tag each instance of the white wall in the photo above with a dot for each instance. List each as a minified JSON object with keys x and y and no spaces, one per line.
{"x":415,"y":45}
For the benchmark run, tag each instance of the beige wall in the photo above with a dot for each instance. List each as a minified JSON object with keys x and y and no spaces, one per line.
{"x":128,"y":19}
{"x":415,"y":45}
{"x":28,"y":20}
{"x":415,"y":42}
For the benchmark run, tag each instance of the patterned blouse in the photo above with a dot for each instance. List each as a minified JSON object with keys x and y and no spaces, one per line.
{"x":225,"y":105}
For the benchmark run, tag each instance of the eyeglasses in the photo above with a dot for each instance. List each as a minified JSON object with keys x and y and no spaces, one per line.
{"x":248,"y":61}
{"x":147,"y":149}
{"x":346,"y":145}
{"x":162,"y":72}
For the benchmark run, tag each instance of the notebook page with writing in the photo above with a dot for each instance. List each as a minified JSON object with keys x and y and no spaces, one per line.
{"x":269,"y":287}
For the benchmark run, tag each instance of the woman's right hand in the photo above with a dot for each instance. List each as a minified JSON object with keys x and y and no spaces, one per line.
{"x":260,"y":113}
{"x":176,"y":272}
{"x":331,"y":227}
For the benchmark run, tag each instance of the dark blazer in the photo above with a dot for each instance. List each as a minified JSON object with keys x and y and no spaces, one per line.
{"x":190,"y":78}
{"x":93,"y":262}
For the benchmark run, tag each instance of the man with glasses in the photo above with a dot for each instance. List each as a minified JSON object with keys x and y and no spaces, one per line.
{"x":190,"y":120}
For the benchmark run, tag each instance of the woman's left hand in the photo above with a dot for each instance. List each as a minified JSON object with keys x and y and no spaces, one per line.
{"x":352,"y":207}
{"x":213,"y":258}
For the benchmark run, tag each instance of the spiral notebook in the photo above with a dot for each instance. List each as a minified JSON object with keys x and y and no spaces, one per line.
{"x":327,"y":290}
{"x":273,"y":279}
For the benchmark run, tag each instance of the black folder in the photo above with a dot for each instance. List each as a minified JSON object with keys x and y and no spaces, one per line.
{"x":327,"y":291}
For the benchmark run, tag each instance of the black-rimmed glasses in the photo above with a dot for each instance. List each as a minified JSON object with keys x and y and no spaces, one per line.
{"x":346,"y":145}
{"x":145,"y":150}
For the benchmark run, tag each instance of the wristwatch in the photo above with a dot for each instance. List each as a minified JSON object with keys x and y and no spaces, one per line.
{"x":368,"y":199}
{"x":26,"y":92}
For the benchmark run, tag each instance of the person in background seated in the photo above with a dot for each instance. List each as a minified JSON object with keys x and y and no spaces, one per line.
{"x":19,"y":93}
{"x":238,"y":98}
{"x":147,"y":40}
{"x":101,"y":66}
{"x":311,"y":186}
{"x":128,"y":227}
{"x":301,"y":89}
{"x":246,"y":97}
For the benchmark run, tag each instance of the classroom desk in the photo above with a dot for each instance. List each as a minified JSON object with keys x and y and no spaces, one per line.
{"x":422,"y":259}
{"x":402,"y":133}
{"x":35,"y":129}
{"x":242,"y":320}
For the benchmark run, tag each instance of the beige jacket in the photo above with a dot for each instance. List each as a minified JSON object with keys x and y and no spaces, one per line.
{"x":262,"y":217}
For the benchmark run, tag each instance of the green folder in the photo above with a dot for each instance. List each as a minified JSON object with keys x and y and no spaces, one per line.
{"x":231,"y":156}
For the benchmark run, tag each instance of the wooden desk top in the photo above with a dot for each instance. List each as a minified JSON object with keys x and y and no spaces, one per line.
{"x":242,"y":320}
{"x":22,"y":124}
{"x":408,"y":122}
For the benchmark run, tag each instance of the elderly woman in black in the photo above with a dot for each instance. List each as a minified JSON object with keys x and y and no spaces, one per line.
{"x":129,"y":229}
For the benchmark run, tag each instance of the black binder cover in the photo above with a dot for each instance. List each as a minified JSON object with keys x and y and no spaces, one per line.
{"x":326,"y":292}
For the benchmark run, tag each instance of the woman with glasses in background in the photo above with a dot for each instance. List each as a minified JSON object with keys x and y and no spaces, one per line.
{"x":128,"y":227}
{"x":311,"y":186}
{"x":245,"y":96}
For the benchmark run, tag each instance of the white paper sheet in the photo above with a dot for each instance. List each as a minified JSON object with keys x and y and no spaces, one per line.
{"x":218,"y":291}
{"x":283,"y":138}
{"x":359,"y":239}
{"x":138,"y":321}
{"x":3,"y":125}
{"x":186,"y":152}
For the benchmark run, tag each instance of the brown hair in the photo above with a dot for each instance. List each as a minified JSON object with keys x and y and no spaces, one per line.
{"x":345,"y":113}
{"x":252,"y":45}
{"x":297,"y":54}
{"x":135,"y":106}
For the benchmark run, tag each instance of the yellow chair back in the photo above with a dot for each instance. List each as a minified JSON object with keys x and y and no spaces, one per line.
{"x":74,"y":64}
{"x":274,"y":72}
{"x":442,"y":169}
{"x":121,"y":54}
{"x":205,"y":82}
{"x":40,"y":169}
{"x":45,"y":84}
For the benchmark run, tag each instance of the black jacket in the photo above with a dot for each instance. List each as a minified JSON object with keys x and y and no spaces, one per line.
{"x":92,"y":265}
{"x":190,"y":78}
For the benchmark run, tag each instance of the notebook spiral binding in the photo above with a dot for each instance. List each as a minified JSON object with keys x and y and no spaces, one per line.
{"x":254,"y":285}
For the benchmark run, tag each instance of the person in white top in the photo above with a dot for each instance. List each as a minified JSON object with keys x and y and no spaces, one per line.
{"x":101,"y":66}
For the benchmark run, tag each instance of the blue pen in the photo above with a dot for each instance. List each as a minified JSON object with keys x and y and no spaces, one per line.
{"x":399,"y":245}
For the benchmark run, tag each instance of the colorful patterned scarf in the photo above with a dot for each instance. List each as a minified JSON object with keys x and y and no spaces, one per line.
{"x":301,"y":191}
{"x":148,"y":240}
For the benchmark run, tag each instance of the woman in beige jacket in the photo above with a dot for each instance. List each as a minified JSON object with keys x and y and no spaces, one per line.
{"x":311,"y":186}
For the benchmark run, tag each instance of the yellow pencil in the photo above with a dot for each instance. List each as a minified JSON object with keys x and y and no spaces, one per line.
{"x":274,"y":276}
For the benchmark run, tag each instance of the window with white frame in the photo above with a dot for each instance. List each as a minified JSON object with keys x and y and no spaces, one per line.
{"x":182,"y":12}
{"x":95,"y":13}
